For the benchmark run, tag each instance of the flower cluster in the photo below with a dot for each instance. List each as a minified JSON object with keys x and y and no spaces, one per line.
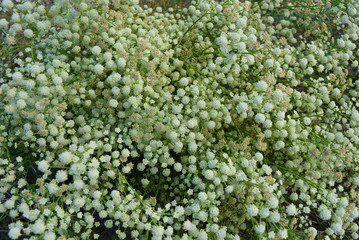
{"x":235,"y":120}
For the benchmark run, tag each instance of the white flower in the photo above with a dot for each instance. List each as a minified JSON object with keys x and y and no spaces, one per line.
{"x":43,"y":166}
{"x":125,"y":153}
{"x":4,"y":24}
{"x":257,"y":100}
{"x":283,"y":234}
{"x":260,"y":228}
{"x":211,"y":124}
{"x":78,"y":184}
{"x":355,"y":116}
{"x":272,"y":202}
{"x":222,"y":41}
{"x":96,"y":50}
{"x":214,"y":211}
{"x":61,"y":176}
{"x":274,"y":217}
{"x":269,"y":63}
{"x":278,"y":94}
{"x":14,"y":233}
{"x":52,"y":187}
{"x":183,"y":82}
{"x":21,"y":104}
{"x":7,"y":4}
{"x":28,"y":33}
{"x":252,"y":39}
{"x":202,"y":196}
{"x":264,"y":212}
{"x":113,"y":103}
{"x":324,"y":213}
{"x":241,"y":22}
{"x":306,"y":120}
{"x":262,"y":86}
{"x":260,"y":118}
{"x":49,"y":236}
{"x":192,"y":123}
{"x":229,"y":189}
{"x":177,"y":167}
{"x":66,"y":157}
{"x":202,"y":235}
{"x":121,"y":62}
{"x":242,"y":107}
{"x":93,"y":174}
{"x":252,"y":210}
{"x":98,"y":68}
{"x":79,"y":202}
{"x":39,"y":227}
{"x":291,"y":210}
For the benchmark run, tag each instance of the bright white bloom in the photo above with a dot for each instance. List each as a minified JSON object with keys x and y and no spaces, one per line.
{"x":324,"y":213}
{"x":272,"y":202}
{"x":241,"y":22}
{"x":79,"y":202}
{"x":262,"y":86}
{"x":183,"y":82}
{"x":177,"y":167}
{"x":98,"y":68}
{"x":214,"y":211}
{"x":202,"y":235}
{"x":192,"y":123}
{"x":257,"y":100}
{"x":66,"y":157}
{"x":78,"y":184}
{"x":113,"y":103}
{"x":96,"y":50}
{"x":264,"y":212}
{"x":7,"y":4}
{"x":52,"y":187}
{"x":43,"y":166}
{"x":14,"y":233}
{"x":278,"y":94}
{"x":39,"y":227}
{"x":49,"y":236}
{"x":260,"y":228}
{"x":242,"y":107}
{"x":260,"y":118}
{"x":356,"y":181}
{"x":274,"y":217}
{"x":121,"y":62}
{"x":28,"y":33}
{"x":291,"y":210}
{"x":125,"y":153}
{"x":209,"y":174}
{"x":222,"y":41}
{"x":61,"y":176}
{"x":283,"y":234}
{"x":202,"y":196}
{"x":252,"y":210}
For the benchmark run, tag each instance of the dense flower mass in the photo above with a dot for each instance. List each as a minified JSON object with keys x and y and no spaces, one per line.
{"x":232,"y":120}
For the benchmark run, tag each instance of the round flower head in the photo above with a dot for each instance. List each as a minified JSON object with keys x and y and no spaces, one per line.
{"x":14,"y":233}
{"x":241,"y":22}
{"x":96,"y":50}
{"x":260,"y":228}
{"x":272,"y":202}
{"x":252,"y":210}
{"x":7,"y":4}
{"x":291,"y":210}
{"x":242,"y":107}
{"x":262,"y":86}
{"x":66,"y":157}
{"x":260,"y":118}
